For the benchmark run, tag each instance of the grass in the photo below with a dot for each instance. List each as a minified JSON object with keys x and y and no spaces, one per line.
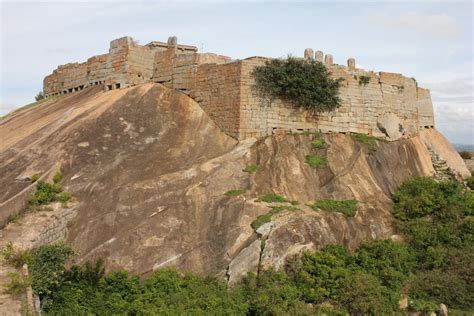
{"x":250,"y":168}
{"x":17,"y":283}
{"x":346,"y":207}
{"x":57,"y":177}
{"x":47,"y":193}
{"x":272,"y":198}
{"x":266,"y":218}
{"x":14,"y":257}
{"x":370,"y":141}
{"x":35,"y":177}
{"x":235,"y":192}
{"x":318,"y":143}
{"x":316,"y":161}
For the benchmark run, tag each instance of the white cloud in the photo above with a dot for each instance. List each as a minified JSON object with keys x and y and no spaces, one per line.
{"x":436,"y":25}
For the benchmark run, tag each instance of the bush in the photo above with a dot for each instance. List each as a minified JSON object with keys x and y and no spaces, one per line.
{"x":45,"y":193}
{"x":370,"y":141}
{"x":263,"y":219}
{"x":346,"y":207}
{"x":39,"y":96}
{"x":316,"y":161}
{"x":465,"y":154}
{"x":235,"y":192}
{"x":250,"y":169}
{"x":364,"y":80}
{"x":272,"y":198}
{"x":47,"y":267}
{"x":304,"y":83}
{"x":16,"y":284}
{"x":470,"y":182}
{"x":35,"y":177}
{"x":13,"y":257}
{"x":318,"y":143}
{"x":57,"y":177}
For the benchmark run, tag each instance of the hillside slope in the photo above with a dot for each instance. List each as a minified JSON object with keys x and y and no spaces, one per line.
{"x":149,"y":170}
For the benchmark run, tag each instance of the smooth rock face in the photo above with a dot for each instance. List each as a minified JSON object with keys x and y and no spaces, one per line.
{"x":150,"y":184}
{"x":390,"y":125}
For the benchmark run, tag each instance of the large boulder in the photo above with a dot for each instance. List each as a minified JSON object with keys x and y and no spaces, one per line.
{"x":390,"y":125}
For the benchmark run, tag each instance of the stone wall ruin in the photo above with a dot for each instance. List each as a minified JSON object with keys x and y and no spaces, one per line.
{"x":382,"y":104}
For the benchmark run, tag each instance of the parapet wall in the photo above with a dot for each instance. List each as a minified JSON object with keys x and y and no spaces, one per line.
{"x":387,"y":105}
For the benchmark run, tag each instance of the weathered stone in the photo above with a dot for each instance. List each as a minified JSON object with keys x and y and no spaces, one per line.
{"x":172,"y":41}
{"x":443,"y":310}
{"x":308,"y":53}
{"x":246,"y":261}
{"x":390,"y":125}
{"x":351,"y":64}
{"x":319,"y":56}
{"x":328,"y":59}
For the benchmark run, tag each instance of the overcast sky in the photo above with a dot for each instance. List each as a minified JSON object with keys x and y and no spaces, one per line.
{"x":429,"y":40}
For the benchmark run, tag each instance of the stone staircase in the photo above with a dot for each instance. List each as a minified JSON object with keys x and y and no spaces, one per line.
{"x":442,"y":171}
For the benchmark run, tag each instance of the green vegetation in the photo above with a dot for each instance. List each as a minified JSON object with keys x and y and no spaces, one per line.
{"x":39,"y":96}
{"x":250,"y":168}
{"x":370,"y":141}
{"x":58,"y":176}
{"x":305,"y":83}
{"x":318,"y":143}
{"x":47,"y":192}
{"x":266,"y":218}
{"x":16,"y":284}
{"x":235,"y":192}
{"x":470,"y":182}
{"x":35,"y":177}
{"x":346,"y":207}
{"x":364,"y":80}
{"x":316,"y":161}
{"x":272,"y":198}
{"x":14,"y":257}
{"x":433,"y":265}
{"x":465,"y":154}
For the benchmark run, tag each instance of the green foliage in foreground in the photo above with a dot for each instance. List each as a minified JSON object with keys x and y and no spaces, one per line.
{"x":304,"y":83}
{"x":470,"y":182}
{"x":432,"y":266}
{"x":235,"y":192}
{"x":346,"y":207}
{"x":316,"y":161}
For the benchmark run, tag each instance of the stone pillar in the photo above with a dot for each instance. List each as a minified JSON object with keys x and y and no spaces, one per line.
{"x":328,"y":59}
{"x":319,"y":56}
{"x":351,"y":63}
{"x":172,"y":42}
{"x":308,"y":53}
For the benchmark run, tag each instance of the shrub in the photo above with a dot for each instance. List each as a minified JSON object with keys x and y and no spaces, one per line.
{"x":304,"y":83}
{"x":370,"y":141}
{"x":235,"y":192}
{"x":35,"y":177}
{"x":465,"y":154}
{"x":364,"y":80}
{"x":16,"y":284}
{"x":45,"y":193}
{"x":57,"y":177}
{"x":316,"y":161}
{"x":39,"y":96}
{"x":266,"y":218}
{"x":272,"y":198}
{"x":318,"y":143}
{"x":14,"y":257}
{"x":470,"y":182}
{"x":47,"y":267}
{"x":250,"y":168}
{"x":346,"y":207}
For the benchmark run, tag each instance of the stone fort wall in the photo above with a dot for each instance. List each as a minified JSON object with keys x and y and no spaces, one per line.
{"x":389,"y":105}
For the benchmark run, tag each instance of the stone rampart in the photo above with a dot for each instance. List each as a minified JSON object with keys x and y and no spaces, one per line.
{"x":381,"y":104}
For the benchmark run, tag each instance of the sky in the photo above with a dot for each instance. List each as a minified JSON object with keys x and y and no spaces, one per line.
{"x":431,"y":41}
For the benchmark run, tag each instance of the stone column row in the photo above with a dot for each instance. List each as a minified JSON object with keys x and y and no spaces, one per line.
{"x":328,"y":59}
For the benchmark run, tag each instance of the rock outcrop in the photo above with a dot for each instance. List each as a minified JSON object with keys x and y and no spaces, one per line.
{"x":149,"y":169}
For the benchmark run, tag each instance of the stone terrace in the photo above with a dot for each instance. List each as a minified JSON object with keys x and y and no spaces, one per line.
{"x":380,"y":104}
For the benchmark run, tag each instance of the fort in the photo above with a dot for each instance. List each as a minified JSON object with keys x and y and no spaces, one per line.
{"x":384,"y":104}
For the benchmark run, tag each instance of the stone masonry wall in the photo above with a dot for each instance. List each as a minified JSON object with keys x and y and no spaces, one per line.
{"x":388,"y":105}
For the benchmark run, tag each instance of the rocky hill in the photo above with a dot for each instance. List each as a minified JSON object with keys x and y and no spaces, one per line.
{"x":150,"y":173}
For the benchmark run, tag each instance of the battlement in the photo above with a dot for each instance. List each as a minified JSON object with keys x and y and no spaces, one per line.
{"x":382,"y":104}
